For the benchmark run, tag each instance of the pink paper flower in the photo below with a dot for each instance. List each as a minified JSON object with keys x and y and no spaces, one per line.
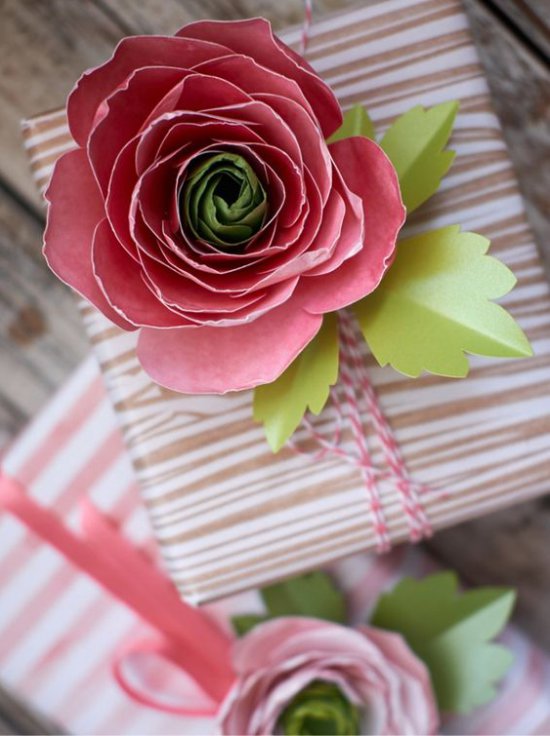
{"x":203,"y":205}
{"x":374,"y":669}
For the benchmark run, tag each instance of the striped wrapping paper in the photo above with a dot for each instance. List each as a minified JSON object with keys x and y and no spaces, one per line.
{"x":228,"y":514}
{"x":58,"y":628}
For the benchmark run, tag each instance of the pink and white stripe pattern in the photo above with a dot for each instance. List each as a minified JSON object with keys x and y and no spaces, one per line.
{"x":58,"y":629}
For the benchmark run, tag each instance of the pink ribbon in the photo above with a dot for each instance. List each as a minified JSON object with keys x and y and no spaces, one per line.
{"x":188,"y":652}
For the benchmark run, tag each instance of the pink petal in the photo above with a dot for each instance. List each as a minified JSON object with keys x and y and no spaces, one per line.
{"x":422,"y":710}
{"x":75,"y":208}
{"x":198,"y":95}
{"x":175,"y":130}
{"x":119,"y":195}
{"x":197,"y":92}
{"x":121,"y":281}
{"x":320,"y":250}
{"x":214,"y":360}
{"x":205,"y":92}
{"x":350,"y":240}
{"x":174,"y":289}
{"x":268,"y":124}
{"x":284,"y":182}
{"x":314,"y":150}
{"x":254,"y":79}
{"x":133,"y":52}
{"x":175,"y":250}
{"x":210,"y":300}
{"x":368,"y":172}
{"x":262,"y":647}
{"x":167,"y":104}
{"x":290,"y":243}
{"x":127,"y":109}
{"x":255,"y":38}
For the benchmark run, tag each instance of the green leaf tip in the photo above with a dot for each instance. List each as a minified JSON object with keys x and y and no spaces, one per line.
{"x":313,"y":595}
{"x":304,"y":385}
{"x":434,"y":305}
{"x":356,"y":123}
{"x":244,"y":623}
{"x":415,"y":144}
{"x":452,"y":633}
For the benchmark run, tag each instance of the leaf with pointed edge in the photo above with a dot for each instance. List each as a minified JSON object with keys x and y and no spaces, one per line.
{"x":246,"y":622}
{"x":415,"y":145}
{"x":434,"y":304}
{"x":452,"y":633}
{"x":304,"y":385}
{"x":356,"y":122}
{"x":312,"y":595}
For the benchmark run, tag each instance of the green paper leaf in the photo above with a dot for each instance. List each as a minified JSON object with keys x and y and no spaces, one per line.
{"x":222,"y":201}
{"x":451,"y":632}
{"x":312,"y":595}
{"x":246,"y":622}
{"x":433,"y":304}
{"x":356,"y":122}
{"x":414,"y":144}
{"x":304,"y":385}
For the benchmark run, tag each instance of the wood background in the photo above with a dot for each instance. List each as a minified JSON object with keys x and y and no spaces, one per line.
{"x":46,"y":44}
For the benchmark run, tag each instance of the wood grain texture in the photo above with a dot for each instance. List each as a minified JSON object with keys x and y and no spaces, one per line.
{"x":45,"y":46}
{"x":520,"y":86}
{"x":18,"y":718}
{"x":531,"y":18}
{"x":166,"y":16}
{"x":41,"y":336}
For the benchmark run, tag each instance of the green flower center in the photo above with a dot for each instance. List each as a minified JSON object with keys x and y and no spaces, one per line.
{"x":320,"y":709}
{"x":222,"y":201}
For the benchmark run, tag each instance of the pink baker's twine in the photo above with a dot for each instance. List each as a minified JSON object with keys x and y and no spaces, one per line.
{"x":355,"y":380}
{"x":408,"y":489}
{"x":306,"y":25}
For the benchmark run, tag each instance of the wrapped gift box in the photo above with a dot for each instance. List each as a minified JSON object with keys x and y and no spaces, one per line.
{"x":59,"y":629}
{"x":227,"y":513}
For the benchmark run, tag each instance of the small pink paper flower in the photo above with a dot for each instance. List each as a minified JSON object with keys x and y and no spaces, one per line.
{"x":204,"y":207}
{"x":375,"y":671}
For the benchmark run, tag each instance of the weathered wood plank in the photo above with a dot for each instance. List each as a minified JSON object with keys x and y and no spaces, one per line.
{"x":520,"y":86}
{"x":16,"y":717}
{"x":41,"y":335}
{"x":166,"y":16}
{"x":532,"y":17}
{"x":45,"y":46}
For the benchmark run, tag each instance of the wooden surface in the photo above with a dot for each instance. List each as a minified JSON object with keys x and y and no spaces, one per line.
{"x":17,"y":718}
{"x":45,"y":46}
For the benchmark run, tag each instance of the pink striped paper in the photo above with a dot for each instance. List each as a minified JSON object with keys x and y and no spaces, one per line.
{"x":57,"y":628}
